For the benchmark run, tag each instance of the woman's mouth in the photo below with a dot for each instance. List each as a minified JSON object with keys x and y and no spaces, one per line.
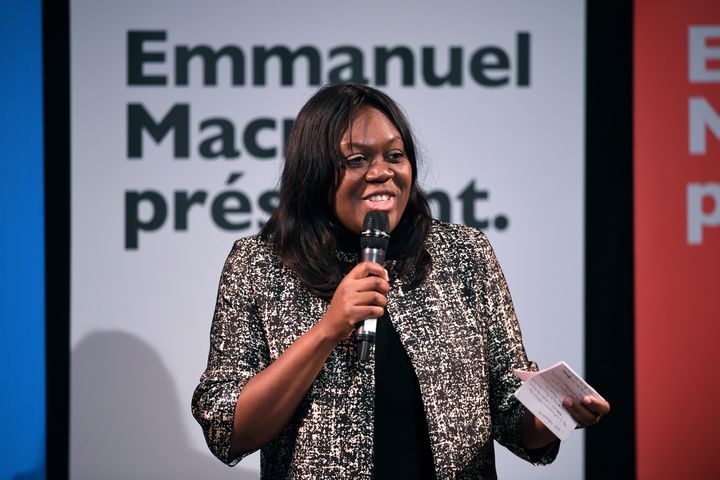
{"x":381,"y":197}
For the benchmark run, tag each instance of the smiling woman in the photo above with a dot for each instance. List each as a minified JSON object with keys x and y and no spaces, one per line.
{"x":376,"y":173}
{"x":347,"y":143}
{"x":283,"y":373}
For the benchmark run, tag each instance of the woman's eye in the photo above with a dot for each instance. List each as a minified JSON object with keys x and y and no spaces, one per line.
{"x":396,"y":156}
{"x":355,"y":161}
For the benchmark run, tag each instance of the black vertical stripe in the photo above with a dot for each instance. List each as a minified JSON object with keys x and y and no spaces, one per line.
{"x":56,"y":92}
{"x":609,"y":302}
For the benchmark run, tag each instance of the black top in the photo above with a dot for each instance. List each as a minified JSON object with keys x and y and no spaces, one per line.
{"x":401,"y":444}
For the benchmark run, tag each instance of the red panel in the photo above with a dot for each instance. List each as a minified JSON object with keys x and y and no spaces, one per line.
{"x":677,"y":284}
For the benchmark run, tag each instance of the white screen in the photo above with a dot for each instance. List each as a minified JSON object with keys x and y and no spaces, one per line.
{"x":140,"y":315}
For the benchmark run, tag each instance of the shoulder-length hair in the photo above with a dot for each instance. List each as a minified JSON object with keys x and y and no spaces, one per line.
{"x":304,"y":230}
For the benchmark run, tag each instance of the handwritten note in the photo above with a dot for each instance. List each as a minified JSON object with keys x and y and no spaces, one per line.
{"x":543,"y":392}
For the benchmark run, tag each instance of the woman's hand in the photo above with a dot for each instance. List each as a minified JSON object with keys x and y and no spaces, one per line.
{"x":360,"y":295}
{"x":587,"y":411}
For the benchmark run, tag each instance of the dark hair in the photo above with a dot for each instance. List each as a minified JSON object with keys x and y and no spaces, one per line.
{"x":304,"y":231}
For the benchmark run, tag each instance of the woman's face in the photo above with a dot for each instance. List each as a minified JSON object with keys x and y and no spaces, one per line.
{"x":376,"y":173}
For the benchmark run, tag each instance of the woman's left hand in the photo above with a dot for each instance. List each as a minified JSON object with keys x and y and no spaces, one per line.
{"x":587,"y":411}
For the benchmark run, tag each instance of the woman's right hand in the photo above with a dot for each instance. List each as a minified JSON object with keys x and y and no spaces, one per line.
{"x":359,"y":296}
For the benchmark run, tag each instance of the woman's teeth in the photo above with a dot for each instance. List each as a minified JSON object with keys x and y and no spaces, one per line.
{"x":379,"y":198}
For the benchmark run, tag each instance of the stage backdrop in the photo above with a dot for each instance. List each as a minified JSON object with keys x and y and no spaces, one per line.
{"x":179,"y":114}
{"x":677,"y":236}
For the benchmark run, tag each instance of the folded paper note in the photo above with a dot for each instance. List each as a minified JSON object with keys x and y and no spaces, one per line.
{"x":543,"y":393}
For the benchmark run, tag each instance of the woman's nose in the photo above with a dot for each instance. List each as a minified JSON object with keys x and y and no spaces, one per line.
{"x":379,"y":171}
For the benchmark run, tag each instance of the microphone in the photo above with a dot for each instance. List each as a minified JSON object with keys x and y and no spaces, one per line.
{"x":374,"y":241}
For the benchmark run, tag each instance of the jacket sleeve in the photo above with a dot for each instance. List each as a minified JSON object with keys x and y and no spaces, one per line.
{"x":238,"y":351}
{"x":506,"y":352}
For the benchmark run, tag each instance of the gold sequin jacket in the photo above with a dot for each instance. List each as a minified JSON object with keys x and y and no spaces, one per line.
{"x":458,"y":327}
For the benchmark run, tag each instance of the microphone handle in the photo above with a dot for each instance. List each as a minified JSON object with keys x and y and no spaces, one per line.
{"x":365,"y":336}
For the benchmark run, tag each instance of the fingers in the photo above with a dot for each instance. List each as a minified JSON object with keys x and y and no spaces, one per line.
{"x":367,"y":312}
{"x":367,"y":276}
{"x":580,"y":414}
{"x":371,"y":298}
{"x":596,"y":405}
{"x":374,"y":284}
{"x":588,"y":411}
{"x":366,"y":269}
{"x":360,"y":296}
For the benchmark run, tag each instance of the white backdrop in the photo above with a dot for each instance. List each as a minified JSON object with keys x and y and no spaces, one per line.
{"x":140,"y":313}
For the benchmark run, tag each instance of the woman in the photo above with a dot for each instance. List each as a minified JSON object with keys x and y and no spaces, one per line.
{"x":283,"y":374}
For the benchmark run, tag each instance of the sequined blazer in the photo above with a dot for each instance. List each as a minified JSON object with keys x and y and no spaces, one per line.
{"x":458,"y":327}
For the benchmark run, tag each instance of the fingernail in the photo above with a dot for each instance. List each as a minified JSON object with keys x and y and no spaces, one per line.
{"x":587,"y":400}
{"x":568,"y":403}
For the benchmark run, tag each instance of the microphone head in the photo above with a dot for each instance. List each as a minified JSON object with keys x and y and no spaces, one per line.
{"x":375,"y":231}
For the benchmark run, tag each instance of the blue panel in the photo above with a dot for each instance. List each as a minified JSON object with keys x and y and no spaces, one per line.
{"x":22,"y":289}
